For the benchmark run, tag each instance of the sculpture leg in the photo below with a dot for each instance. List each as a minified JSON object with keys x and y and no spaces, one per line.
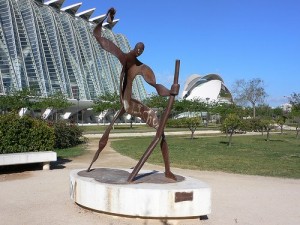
{"x":104,"y":138}
{"x":150,"y":117}
{"x":165,"y":152}
{"x":144,"y":158}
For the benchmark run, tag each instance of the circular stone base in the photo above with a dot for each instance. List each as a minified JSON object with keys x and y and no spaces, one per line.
{"x":150,"y":195}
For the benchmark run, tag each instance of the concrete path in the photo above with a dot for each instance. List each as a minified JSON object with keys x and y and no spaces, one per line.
{"x":42,"y":197}
{"x":147,"y":134}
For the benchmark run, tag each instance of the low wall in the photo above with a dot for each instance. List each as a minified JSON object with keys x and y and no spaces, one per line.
{"x":28,"y":157}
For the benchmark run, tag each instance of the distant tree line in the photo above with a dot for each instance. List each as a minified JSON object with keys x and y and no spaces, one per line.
{"x":28,"y":99}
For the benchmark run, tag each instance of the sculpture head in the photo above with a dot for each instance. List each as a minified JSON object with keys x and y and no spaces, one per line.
{"x":139,"y":48}
{"x":111,"y":15}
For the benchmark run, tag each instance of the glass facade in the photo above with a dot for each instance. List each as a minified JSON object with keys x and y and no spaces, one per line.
{"x":45,"y":48}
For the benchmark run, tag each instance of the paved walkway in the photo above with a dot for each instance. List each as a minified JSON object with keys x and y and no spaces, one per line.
{"x":42,"y":197}
{"x":147,"y":134}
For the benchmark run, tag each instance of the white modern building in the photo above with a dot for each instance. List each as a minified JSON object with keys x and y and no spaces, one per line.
{"x":48,"y":47}
{"x":287,"y":107}
{"x":209,"y":88}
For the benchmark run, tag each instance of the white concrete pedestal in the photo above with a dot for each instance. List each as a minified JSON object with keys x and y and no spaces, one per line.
{"x":151,"y":194}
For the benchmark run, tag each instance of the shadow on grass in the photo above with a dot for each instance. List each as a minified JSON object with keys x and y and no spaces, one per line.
{"x":272,"y":140}
{"x":224,"y":142}
{"x":189,"y":138}
{"x":125,"y":128}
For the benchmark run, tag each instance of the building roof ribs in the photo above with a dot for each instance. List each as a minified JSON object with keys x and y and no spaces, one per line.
{"x":55,"y":3}
{"x":72,"y":9}
{"x":85,"y":14}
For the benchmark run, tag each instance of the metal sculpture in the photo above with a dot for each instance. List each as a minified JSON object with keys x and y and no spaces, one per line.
{"x":131,"y":67}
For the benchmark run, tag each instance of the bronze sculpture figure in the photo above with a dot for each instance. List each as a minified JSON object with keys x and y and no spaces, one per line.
{"x":131,"y":67}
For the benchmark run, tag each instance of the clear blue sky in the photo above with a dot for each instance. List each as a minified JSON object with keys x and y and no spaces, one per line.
{"x":237,"y":39}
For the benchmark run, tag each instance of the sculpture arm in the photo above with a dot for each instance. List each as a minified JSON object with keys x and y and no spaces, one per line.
{"x":149,"y":77}
{"x":106,"y":44}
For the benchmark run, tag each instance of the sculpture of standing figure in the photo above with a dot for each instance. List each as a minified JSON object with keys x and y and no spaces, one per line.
{"x":131,"y":67}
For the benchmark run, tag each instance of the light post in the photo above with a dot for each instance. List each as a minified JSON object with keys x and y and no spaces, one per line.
{"x":207,"y":99}
{"x":77,"y":111}
{"x":82,"y":112}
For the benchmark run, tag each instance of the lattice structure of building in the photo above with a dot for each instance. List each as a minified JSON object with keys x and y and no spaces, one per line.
{"x":50,"y":48}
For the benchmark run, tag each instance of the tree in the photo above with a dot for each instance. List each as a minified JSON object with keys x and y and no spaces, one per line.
{"x":189,"y":122}
{"x":280,"y":122}
{"x":263,"y":110}
{"x":277,"y":112}
{"x":267,"y":124}
{"x":183,"y":105}
{"x":224,"y":109}
{"x":200,"y":106}
{"x":297,"y":120}
{"x":255,"y":125}
{"x":231,"y":123}
{"x":191,"y":107}
{"x":29,"y":99}
{"x":4,"y":103}
{"x":157,"y":102}
{"x":192,"y":123}
{"x":57,"y":101}
{"x":251,"y":91}
{"x":107,"y":101}
{"x":17,"y":100}
{"x":295,"y":102}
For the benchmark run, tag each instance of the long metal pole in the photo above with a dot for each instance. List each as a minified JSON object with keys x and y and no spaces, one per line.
{"x":159,"y":131}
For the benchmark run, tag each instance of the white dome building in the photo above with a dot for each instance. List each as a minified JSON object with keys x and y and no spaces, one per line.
{"x":210,"y":88}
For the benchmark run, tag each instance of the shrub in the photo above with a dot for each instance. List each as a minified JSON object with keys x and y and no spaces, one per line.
{"x":66,"y":135}
{"x":192,"y":123}
{"x":24,"y":134}
{"x":255,"y":124}
{"x":175,"y":123}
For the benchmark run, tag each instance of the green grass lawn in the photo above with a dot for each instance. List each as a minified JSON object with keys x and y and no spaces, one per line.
{"x":118,"y":128}
{"x":70,"y":152}
{"x":125,"y":128}
{"x":253,"y":155}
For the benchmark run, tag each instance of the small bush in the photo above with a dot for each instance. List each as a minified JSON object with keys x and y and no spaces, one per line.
{"x":185,"y":122}
{"x":175,"y":123}
{"x":24,"y":134}
{"x":66,"y":135}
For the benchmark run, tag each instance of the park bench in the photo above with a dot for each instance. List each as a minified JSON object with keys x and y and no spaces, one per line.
{"x":44,"y":157}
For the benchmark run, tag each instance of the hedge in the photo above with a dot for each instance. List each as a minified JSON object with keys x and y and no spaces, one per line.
{"x":27,"y":134}
{"x":66,"y":135}
{"x":24,"y":134}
